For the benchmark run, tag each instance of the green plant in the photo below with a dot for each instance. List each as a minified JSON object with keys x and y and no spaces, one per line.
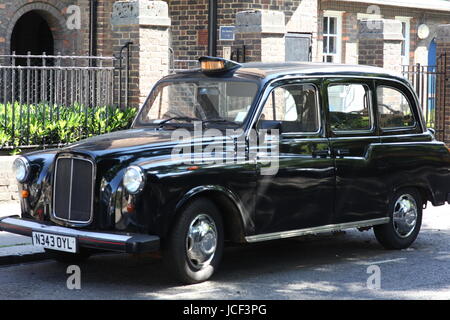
{"x":36,"y":125}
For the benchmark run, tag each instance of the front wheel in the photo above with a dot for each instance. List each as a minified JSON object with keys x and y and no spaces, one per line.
{"x":195,"y":245}
{"x":405,"y":212}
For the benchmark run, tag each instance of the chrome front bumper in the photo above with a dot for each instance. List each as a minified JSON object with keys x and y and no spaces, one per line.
{"x":120,"y":242}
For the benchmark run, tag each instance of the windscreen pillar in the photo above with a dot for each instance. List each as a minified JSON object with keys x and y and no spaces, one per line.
{"x":145,"y":23}
{"x":262,"y":33}
{"x":380,"y":43}
{"x":442,"y":116}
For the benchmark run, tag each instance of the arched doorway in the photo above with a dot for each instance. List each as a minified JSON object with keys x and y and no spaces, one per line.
{"x":32,"y":33}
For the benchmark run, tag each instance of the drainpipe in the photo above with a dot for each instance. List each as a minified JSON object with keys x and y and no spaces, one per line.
{"x":212,"y":28}
{"x":93,"y":29}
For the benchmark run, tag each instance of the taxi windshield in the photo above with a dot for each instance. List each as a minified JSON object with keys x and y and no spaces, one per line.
{"x":226,"y":103}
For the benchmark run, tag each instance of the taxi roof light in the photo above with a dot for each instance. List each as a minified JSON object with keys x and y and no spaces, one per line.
{"x":214,"y":64}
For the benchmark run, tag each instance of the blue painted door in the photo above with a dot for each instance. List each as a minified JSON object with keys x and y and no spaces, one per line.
{"x":431,"y":107}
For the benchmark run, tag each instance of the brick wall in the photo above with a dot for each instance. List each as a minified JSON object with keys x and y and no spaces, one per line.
{"x":443,"y":86}
{"x":8,"y":183}
{"x":381,"y":46}
{"x":190,"y":22}
{"x":350,"y":31}
{"x":149,"y":32}
{"x":121,"y":35}
{"x":370,"y":52}
{"x":104,"y":28}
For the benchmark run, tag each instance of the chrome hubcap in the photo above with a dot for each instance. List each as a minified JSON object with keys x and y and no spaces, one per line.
{"x":201,"y":241}
{"x":405,"y":215}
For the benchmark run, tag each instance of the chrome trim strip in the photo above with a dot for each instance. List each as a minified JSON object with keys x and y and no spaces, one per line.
{"x":316,"y":230}
{"x":53,"y":213}
{"x":409,"y":135}
{"x":70,"y":189}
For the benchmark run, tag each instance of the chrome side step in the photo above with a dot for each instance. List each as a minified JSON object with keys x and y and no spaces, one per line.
{"x":316,"y":230}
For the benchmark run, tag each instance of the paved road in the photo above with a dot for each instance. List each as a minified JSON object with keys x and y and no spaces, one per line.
{"x":321,"y":267}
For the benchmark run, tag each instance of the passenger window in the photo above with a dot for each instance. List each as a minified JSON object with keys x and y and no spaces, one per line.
{"x":349,"y":107}
{"x":394,"y":108}
{"x":294,"y":107}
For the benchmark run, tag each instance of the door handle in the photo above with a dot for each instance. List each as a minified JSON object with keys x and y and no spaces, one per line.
{"x":321,"y":153}
{"x":342,"y":152}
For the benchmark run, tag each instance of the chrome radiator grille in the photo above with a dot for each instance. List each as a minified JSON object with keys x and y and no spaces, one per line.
{"x":73,"y":190}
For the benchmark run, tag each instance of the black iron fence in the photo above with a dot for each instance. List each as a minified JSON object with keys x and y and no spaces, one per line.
{"x":39,"y":91}
{"x":57,"y":80}
{"x":429,"y":83}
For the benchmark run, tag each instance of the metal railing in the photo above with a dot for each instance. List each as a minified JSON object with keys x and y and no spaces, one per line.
{"x":177,"y":65}
{"x":181,"y":65}
{"x":429,"y":83}
{"x":44,"y":87}
{"x":57,"y":80}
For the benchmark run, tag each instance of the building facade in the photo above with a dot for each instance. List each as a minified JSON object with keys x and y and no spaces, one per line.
{"x":319,"y":30}
{"x":168,"y":35}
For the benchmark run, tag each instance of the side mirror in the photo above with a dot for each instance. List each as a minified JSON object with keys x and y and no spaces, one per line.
{"x":433,"y":132}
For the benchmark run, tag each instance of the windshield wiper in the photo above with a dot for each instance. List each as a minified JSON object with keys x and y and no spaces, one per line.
{"x":163,"y":123}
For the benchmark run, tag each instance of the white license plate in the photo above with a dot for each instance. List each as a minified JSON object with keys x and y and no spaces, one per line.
{"x":55,"y":242}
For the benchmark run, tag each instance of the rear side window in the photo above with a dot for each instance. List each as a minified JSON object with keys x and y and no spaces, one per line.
{"x":349,"y":107}
{"x":394,"y":108}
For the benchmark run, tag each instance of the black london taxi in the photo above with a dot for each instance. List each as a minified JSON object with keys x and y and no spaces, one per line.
{"x":240,"y":153}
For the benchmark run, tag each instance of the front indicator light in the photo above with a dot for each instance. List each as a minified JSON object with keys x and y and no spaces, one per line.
{"x":130,"y":208}
{"x":134,"y":179}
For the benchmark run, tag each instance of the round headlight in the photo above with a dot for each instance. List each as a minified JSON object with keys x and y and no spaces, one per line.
{"x":21,"y":168}
{"x":133,"y":180}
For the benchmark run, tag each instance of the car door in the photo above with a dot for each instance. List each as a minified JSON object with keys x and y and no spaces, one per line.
{"x":405,"y":155}
{"x":353,"y":133}
{"x":300,"y":192}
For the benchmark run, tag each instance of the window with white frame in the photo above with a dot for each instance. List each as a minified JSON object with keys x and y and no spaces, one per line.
{"x":406,"y":29}
{"x":332,"y":36}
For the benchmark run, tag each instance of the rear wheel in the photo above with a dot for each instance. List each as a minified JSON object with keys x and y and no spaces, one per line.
{"x":194,"y":248}
{"x":405,"y":211}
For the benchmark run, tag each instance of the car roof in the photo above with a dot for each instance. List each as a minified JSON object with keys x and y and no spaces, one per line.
{"x":268,"y":70}
{"x":310,"y":68}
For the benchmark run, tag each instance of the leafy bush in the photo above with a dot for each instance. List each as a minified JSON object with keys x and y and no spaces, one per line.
{"x":45,"y":124}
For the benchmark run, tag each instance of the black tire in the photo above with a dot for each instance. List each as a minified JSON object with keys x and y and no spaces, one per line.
{"x":387,"y":234}
{"x":70,"y":258}
{"x":175,"y":248}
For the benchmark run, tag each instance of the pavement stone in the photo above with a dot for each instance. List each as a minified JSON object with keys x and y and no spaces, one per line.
{"x":15,"y":248}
